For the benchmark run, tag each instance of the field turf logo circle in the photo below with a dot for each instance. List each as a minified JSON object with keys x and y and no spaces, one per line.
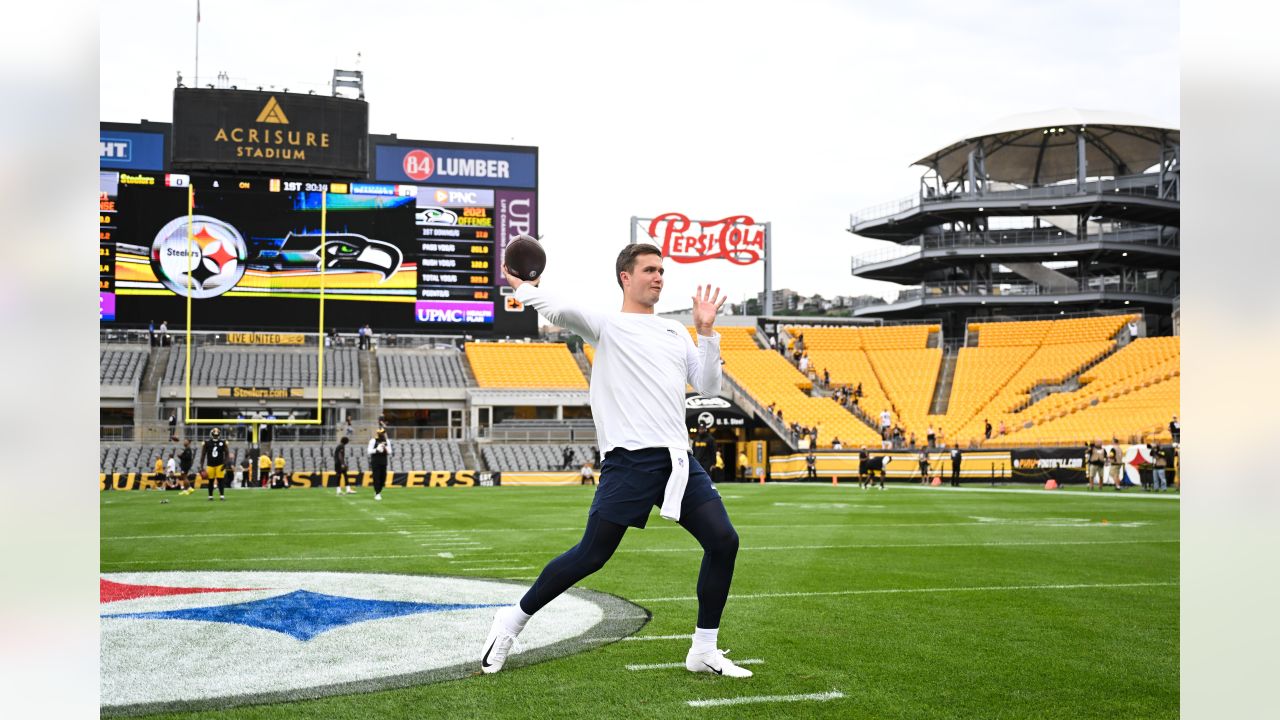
{"x":194,"y":640}
{"x":218,"y":253}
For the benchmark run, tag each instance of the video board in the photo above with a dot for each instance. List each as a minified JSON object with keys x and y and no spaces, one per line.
{"x":248,"y":252}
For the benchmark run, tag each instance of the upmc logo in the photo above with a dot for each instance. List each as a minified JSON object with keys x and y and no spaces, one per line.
{"x":419,"y":165}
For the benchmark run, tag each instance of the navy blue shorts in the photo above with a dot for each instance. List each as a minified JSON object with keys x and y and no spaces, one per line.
{"x":632,"y":482}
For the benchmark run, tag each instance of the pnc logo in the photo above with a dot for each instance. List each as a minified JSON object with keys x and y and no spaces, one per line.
{"x":419,"y":165}
{"x":273,"y":113}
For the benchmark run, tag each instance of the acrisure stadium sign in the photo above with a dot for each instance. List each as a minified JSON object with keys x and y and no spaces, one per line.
{"x":238,"y":130}
{"x":178,"y":641}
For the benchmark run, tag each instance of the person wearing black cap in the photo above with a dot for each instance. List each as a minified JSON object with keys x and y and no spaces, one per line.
{"x":379,"y":451}
{"x":214,"y":456}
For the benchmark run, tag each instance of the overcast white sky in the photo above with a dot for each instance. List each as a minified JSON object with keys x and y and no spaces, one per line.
{"x":794,"y":112}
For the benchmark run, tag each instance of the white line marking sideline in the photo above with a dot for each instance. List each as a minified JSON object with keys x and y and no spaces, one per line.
{"x":669,"y":666}
{"x":817,"y":697}
{"x":886,"y":591}
{"x":488,"y":569}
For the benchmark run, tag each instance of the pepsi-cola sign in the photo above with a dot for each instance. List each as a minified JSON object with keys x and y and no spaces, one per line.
{"x":737,"y":238}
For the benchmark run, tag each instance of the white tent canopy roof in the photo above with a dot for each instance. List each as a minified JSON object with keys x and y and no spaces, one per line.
{"x":1040,"y":148}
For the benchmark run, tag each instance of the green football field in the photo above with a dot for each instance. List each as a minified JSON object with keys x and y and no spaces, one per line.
{"x":904,"y":603}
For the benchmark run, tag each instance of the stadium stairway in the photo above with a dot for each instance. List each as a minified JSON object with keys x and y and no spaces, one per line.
{"x":146,"y":413}
{"x":942,"y":387}
{"x":580,"y":356}
{"x":371,"y":394}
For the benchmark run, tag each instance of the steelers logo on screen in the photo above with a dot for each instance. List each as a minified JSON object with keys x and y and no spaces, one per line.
{"x":217,"y":262}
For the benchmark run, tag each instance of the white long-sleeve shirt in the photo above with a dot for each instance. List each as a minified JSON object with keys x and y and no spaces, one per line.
{"x":642,"y":364}
{"x":373,"y":442}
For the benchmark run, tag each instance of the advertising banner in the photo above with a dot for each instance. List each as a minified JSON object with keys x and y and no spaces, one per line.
{"x":714,"y":412}
{"x":737,"y":238}
{"x":241,"y":130}
{"x":516,"y":214}
{"x":412,"y":479}
{"x":1065,"y":465}
{"x":455,"y":166}
{"x":124,"y":150}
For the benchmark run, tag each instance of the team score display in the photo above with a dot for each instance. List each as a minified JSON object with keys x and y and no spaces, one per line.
{"x":297,"y":186}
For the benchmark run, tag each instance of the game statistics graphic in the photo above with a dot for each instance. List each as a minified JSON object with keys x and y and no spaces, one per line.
{"x":397,"y":256}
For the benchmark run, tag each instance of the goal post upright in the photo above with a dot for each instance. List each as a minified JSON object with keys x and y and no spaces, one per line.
{"x":256,"y":423}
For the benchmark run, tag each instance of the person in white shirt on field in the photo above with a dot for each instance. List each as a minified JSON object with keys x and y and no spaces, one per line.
{"x":642,"y":364}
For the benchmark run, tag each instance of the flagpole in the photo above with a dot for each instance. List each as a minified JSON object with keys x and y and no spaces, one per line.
{"x":196,"y":84}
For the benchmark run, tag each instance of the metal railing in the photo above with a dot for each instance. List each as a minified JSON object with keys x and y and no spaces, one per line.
{"x":1145,"y":185}
{"x":579,"y":434}
{"x":1111,"y":284}
{"x":996,"y":239}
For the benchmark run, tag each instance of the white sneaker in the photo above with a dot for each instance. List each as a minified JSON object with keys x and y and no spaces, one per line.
{"x":378,"y":496}
{"x":350,"y":491}
{"x":714,"y":662}
{"x":496,"y":647}
{"x":339,"y":492}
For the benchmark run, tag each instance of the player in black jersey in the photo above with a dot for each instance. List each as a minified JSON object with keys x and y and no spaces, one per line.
{"x":214,"y":457}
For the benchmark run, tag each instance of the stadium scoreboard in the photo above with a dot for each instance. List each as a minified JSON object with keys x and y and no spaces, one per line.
{"x":399,"y":256}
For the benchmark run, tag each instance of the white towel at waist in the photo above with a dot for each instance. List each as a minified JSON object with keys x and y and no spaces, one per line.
{"x":674,"y":494}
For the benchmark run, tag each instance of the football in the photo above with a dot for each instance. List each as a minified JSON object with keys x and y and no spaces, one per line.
{"x":525,"y":258}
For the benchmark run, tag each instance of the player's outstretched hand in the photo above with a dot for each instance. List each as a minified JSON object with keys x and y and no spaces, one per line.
{"x":705,"y":306}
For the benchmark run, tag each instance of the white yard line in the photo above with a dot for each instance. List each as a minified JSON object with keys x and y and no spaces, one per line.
{"x":489,"y":569}
{"x":1028,"y":491}
{"x":672,"y":666}
{"x":905,"y":545}
{"x":816,"y":697}
{"x":889,"y":591}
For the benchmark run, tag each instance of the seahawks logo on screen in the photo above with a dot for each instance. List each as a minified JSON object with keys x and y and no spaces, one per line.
{"x":216,"y":262}
{"x":343,"y":252}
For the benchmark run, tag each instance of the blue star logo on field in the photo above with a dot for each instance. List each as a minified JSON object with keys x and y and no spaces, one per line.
{"x":295,"y":635}
{"x":302,"y":614}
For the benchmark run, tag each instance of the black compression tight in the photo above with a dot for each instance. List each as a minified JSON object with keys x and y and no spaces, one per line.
{"x":708,"y":523}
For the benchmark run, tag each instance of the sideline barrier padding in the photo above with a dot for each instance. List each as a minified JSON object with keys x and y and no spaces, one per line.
{"x":327,"y":479}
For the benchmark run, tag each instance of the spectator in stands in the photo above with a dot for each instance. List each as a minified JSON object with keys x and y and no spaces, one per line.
{"x":368,"y":337}
{"x":858,"y":391}
{"x":773,"y":342}
{"x":1003,"y":429}
{"x":566,"y":461}
{"x":886,"y":420}
{"x":956,"y":458}
{"x":743,"y":462}
{"x":164,"y":333}
{"x":813,"y":434}
{"x":173,"y":426}
{"x":151,"y":332}
{"x":912,"y":442}
{"x":1175,"y":428}
{"x":348,"y":430}
{"x":930,"y":437}
{"x":810,"y":466}
{"x":986,"y":431}
{"x":804,"y":364}
{"x":826,"y":378}
{"x":836,"y":444}
{"x":800,"y":342}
